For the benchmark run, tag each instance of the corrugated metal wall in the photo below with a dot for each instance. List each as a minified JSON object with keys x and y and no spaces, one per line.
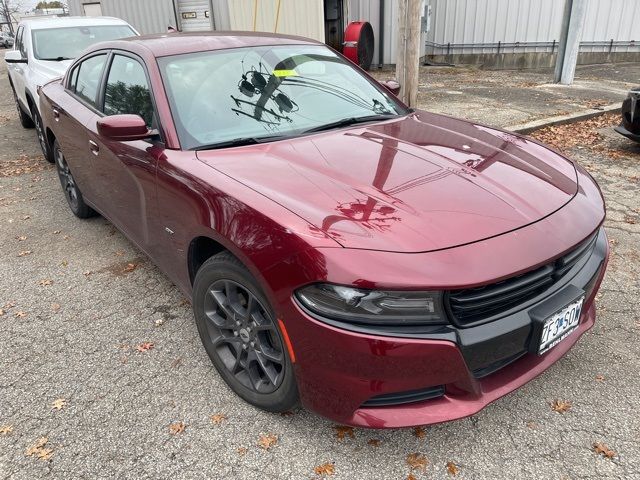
{"x":477,"y":22}
{"x":147,"y":16}
{"x":295,"y":17}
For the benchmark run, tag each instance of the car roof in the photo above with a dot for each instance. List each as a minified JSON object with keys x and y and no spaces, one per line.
{"x":162,"y":45}
{"x":57,"y":22}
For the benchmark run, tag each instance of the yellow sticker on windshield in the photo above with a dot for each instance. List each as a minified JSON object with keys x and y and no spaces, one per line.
{"x":285,"y":73}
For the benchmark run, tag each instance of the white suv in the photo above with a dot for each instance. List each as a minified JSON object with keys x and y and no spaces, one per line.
{"x":43,"y":50}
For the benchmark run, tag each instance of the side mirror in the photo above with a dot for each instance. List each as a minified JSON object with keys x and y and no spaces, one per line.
{"x":14,"y":56}
{"x":123,"y":128}
{"x":391,"y":85}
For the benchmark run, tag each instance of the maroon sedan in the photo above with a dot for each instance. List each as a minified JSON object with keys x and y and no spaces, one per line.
{"x":383,"y":266}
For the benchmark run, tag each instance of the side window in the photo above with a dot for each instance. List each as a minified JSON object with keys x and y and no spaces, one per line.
{"x":18,"y":43}
{"x":88,"y":76}
{"x":127,"y":90}
{"x":73,"y":79}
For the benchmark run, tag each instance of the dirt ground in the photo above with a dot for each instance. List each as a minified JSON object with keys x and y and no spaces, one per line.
{"x":102,"y":374}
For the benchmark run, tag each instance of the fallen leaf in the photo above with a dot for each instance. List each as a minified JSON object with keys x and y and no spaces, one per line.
{"x":130,"y":267}
{"x":419,"y":432}
{"x":176,"y":428}
{"x":343,"y":431}
{"x":374,"y":442}
{"x":218,"y":418}
{"x":412,"y":477}
{"x":9,"y":305}
{"x":6,"y":430}
{"x":120,"y":253}
{"x":560,"y":406}
{"x":21,"y":314}
{"x":64,"y":263}
{"x":417,"y":461}
{"x":56,"y":232}
{"x":59,"y":404}
{"x":55,"y":307}
{"x":66,"y":237}
{"x":26,"y":217}
{"x":145,"y":347}
{"x":452,"y":468}
{"x":242,"y":450}
{"x":325,"y":469}
{"x":600,"y":378}
{"x":38,"y":449}
{"x":46,"y":282}
{"x":532,"y":425}
{"x":267,"y":441}
{"x":21,"y":238}
{"x":602,"y":449}
{"x":24,"y":253}
{"x":87,"y":273}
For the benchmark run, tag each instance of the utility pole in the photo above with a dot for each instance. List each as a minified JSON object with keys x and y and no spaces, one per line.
{"x":408,"y":50}
{"x":570,"y":36}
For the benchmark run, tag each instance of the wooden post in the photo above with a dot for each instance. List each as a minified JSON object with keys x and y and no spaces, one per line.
{"x":408,"y":50}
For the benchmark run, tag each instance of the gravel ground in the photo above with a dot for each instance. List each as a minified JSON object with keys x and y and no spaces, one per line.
{"x":82,"y":394}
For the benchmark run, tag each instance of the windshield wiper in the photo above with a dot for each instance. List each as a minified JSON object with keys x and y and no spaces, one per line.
{"x":345,"y":122}
{"x":238,"y":142}
{"x":56,"y":59}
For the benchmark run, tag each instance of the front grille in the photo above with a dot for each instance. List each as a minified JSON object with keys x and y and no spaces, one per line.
{"x":473,"y":305}
{"x":402,"y":398}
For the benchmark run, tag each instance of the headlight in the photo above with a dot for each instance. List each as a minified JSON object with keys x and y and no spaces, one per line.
{"x":375,"y":307}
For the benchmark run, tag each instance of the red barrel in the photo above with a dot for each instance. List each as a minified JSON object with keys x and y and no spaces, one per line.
{"x":359,"y":43}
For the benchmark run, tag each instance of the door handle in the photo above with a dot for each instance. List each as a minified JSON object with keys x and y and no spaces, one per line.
{"x":93,"y":146}
{"x":57,"y":111}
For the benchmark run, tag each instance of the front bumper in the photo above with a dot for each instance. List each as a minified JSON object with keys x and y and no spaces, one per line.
{"x":338,"y":370}
{"x":630,"y":135}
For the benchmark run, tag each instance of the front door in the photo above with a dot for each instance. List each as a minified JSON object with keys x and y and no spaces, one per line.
{"x":125,"y":171}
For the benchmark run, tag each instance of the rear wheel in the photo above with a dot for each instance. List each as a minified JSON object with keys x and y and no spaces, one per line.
{"x":25,"y":120}
{"x":42,"y":137}
{"x":240,"y":333}
{"x":69,"y":187}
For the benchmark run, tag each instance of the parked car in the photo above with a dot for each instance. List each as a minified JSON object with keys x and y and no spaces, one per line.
{"x":43,"y":50}
{"x":386,"y":267}
{"x":6,"y":40}
{"x":630,"y":126}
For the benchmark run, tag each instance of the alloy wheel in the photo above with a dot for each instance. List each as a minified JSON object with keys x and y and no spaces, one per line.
{"x":66,"y":179}
{"x":244,"y":336}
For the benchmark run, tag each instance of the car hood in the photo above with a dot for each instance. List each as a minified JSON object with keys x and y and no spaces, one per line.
{"x":419,"y":183}
{"x":51,"y":70}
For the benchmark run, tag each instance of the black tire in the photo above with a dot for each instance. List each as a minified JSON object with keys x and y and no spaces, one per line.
{"x":241,"y":334}
{"x":69,"y":187}
{"x":25,"y":119}
{"x":42,"y":137}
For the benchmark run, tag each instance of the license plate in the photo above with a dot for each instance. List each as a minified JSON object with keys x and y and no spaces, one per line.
{"x":560,"y":325}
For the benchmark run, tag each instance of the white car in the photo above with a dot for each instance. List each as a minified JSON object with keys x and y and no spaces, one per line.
{"x":6,"y":40}
{"x":43,"y":50}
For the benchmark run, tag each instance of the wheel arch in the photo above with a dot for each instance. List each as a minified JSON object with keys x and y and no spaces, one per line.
{"x":201,"y":249}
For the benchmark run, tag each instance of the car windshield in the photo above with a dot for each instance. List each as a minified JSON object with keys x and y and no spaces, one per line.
{"x":68,"y":42}
{"x":249,"y":95}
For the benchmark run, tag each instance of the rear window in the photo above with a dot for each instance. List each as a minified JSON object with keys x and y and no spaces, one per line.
{"x":57,"y":44}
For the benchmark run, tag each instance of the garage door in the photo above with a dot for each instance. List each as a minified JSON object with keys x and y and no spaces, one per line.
{"x":195,"y":15}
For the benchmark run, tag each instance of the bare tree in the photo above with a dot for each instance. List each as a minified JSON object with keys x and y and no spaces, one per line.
{"x":8,"y":8}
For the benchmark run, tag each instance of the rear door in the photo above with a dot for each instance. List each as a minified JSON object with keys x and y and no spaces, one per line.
{"x":125,"y":171}
{"x":76,"y":115}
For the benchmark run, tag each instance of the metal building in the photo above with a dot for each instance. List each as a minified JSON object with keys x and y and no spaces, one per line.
{"x":498,"y":33}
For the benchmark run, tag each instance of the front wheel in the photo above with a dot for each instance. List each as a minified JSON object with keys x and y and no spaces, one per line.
{"x":25,"y":119}
{"x":241,"y":335}
{"x":71,"y":191}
